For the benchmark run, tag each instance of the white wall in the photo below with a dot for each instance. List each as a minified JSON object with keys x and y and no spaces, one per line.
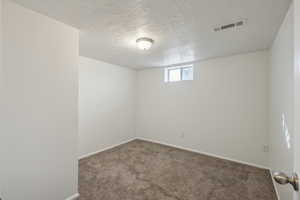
{"x":281,"y":102}
{"x":38,"y":148}
{"x":106,"y":105}
{"x":297,"y":91}
{"x":224,"y":111}
{"x":2,"y":95}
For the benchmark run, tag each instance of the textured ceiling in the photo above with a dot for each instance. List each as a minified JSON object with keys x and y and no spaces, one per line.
{"x":182,"y":29}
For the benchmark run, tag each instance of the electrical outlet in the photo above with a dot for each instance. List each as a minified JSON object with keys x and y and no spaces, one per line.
{"x":266,"y":148}
{"x":182,"y":135}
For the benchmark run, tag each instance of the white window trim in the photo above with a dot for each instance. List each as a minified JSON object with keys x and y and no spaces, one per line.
{"x":168,"y":69}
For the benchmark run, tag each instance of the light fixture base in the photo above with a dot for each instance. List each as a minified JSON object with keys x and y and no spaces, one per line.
{"x":144,"y":43}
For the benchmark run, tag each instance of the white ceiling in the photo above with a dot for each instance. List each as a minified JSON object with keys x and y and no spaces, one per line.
{"x":182,"y":29}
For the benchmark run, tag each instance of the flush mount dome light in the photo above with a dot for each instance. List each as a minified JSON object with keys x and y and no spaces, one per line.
{"x":144,"y":43}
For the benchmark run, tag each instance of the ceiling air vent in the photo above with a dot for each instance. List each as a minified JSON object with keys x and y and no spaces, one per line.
{"x":230,"y":26}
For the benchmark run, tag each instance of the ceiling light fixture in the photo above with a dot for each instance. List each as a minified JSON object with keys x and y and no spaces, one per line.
{"x":144,"y":43}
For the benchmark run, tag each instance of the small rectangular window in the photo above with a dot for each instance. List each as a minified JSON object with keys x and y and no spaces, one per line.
{"x":182,"y":73}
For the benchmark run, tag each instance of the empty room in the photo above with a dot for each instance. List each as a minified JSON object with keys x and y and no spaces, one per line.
{"x":149,"y":99}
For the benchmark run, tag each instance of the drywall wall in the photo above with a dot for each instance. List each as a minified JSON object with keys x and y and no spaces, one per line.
{"x":2,"y":95}
{"x":224,"y":111}
{"x":281,"y":102}
{"x":106,"y":105}
{"x":38,"y":147}
{"x":297,"y":91}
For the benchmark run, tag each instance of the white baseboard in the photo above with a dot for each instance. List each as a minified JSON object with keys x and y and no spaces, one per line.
{"x":73,"y":197}
{"x":176,"y":146}
{"x":107,"y":148}
{"x":274,"y":185}
{"x":204,"y":153}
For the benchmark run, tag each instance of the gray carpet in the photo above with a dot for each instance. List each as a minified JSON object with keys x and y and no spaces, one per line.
{"x":142,"y":170}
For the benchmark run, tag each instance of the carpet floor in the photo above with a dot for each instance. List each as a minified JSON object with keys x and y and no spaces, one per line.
{"x":142,"y":170}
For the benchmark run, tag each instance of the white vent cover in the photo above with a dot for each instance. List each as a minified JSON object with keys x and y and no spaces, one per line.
{"x":230,"y":26}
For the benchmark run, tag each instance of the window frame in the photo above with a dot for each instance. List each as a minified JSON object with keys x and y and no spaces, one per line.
{"x":181,"y":68}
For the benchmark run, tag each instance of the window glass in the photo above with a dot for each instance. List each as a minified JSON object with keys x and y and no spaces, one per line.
{"x":174,"y":75}
{"x":187,"y":73}
{"x":182,"y":73}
